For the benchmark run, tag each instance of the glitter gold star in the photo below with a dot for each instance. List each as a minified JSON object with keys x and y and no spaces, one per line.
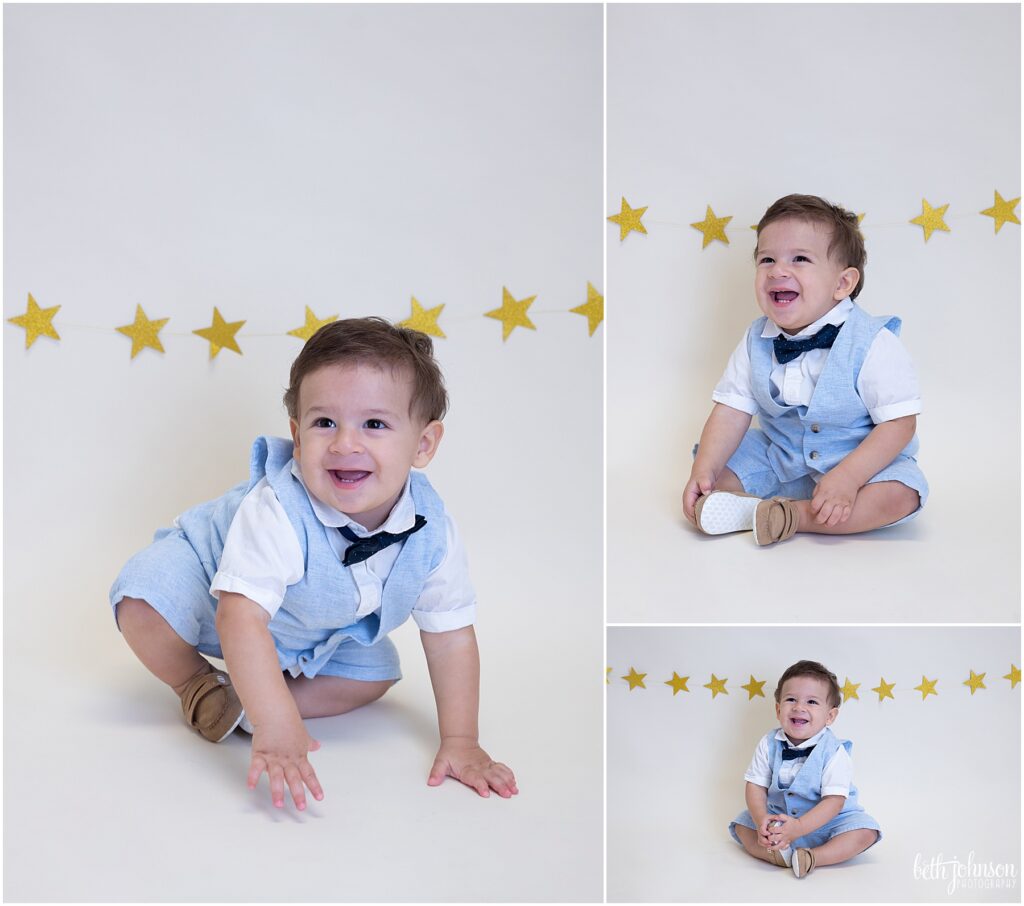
{"x":608,"y":676}
{"x":1002,"y":211}
{"x":37,"y":322}
{"x":592,"y":309}
{"x":635,"y":679}
{"x":1013,"y":676}
{"x":717,"y":686}
{"x":143,"y":332}
{"x":678,"y":683}
{"x":220,"y":334}
{"x":849,"y":690}
{"x":312,"y":325}
{"x":754,"y":687}
{"x":424,"y":319}
{"x":884,"y":690}
{"x":628,"y":219}
{"x":976,"y":681}
{"x":512,"y":313}
{"x":927,"y":687}
{"x":712,"y":227}
{"x":931,"y":219}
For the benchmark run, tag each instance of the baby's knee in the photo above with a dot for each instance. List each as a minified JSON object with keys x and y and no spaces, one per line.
{"x":900,"y":500}
{"x":135,"y":614}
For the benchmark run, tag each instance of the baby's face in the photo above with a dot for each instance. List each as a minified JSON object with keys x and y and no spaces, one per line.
{"x":803,"y":709}
{"x":355,"y":439}
{"x":796,"y":282}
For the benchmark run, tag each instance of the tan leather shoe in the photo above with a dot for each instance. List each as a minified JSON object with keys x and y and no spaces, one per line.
{"x":721,"y":512}
{"x":775,"y":520}
{"x":211,"y":706}
{"x":803,"y":862}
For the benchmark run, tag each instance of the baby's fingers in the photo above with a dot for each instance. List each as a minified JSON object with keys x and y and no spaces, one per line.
{"x":256,"y":768}
{"x":310,"y":779}
{"x":502,"y":780}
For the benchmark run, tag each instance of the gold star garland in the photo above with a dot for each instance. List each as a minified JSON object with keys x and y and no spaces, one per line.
{"x":714,"y":228}
{"x":755,"y":687}
{"x":144,"y":332}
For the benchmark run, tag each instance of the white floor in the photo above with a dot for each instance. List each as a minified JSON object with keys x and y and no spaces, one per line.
{"x":108,"y":798}
{"x":958,"y":562}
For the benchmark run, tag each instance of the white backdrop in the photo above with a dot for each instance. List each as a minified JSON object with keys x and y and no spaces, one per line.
{"x":874,"y":106}
{"x":941,"y":776}
{"x":261,"y":159}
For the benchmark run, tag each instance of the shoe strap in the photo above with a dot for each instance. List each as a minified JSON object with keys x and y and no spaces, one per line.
{"x":197,"y":689}
{"x":790,"y":518}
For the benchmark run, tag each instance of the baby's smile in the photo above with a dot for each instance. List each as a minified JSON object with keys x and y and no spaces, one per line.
{"x":781,"y":296}
{"x":347,"y":477}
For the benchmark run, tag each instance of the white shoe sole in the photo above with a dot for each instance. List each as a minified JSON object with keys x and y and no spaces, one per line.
{"x":723,"y":512}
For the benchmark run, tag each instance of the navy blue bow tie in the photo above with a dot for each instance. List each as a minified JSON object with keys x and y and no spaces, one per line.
{"x":790,"y":752}
{"x":363,"y":548}
{"x":787,"y":350}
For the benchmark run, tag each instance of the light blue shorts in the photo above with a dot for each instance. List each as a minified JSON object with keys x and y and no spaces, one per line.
{"x":841,"y":824}
{"x":752,"y":467}
{"x":170,"y":577}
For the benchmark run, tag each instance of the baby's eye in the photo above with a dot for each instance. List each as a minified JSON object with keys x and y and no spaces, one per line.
{"x":323,"y":422}
{"x":801,"y":258}
{"x":764,"y":259}
{"x":375,"y":424}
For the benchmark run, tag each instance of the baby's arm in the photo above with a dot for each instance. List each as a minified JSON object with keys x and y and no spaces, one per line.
{"x":722,"y":434}
{"x":792,"y":828}
{"x":757,"y":805}
{"x":454,"y":664}
{"x":280,"y":742}
{"x":836,"y":493}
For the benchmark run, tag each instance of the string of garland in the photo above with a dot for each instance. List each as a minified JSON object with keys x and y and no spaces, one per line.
{"x":712,"y":227}
{"x":755,"y":687}
{"x":144,"y":332}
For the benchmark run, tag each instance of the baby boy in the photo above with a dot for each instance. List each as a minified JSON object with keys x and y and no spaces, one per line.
{"x":802,"y":807}
{"x":296,"y":576}
{"x":833,"y":388}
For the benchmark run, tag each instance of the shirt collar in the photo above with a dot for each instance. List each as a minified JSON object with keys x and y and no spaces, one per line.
{"x":835,"y":315}
{"x":401,"y":517}
{"x":780,"y":735}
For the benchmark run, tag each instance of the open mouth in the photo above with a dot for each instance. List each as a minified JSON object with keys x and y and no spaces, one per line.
{"x":783,"y":296}
{"x":347,"y":478}
{"x":798,"y":721}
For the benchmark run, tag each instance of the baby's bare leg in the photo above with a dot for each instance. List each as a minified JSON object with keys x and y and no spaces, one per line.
{"x":750,"y":844}
{"x":162,"y":651}
{"x":727,"y":481}
{"x":876,"y":505}
{"x":844,"y":846}
{"x":325,"y":696}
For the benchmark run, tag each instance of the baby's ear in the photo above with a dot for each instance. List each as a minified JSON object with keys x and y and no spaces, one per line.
{"x":294,"y":425}
{"x":430,"y":438}
{"x":848,"y":281}
{"x":832,"y":715}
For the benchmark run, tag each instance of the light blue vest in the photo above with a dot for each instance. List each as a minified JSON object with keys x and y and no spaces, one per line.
{"x":816,"y":438}
{"x":805,"y":791}
{"x":319,"y":611}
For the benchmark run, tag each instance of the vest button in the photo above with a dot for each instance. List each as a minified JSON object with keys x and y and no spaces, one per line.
{"x":816,"y":428}
{"x":815,"y":454}
{"x":795,"y":812}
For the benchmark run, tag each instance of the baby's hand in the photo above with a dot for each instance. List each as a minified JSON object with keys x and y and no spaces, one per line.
{"x":280,"y":749}
{"x":782,"y":831}
{"x":700,"y":484}
{"x":833,"y":498}
{"x":464,"y":760}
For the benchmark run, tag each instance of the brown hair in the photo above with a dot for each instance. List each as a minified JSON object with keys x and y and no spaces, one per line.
{"x":373,"y":341}
{"x":847,"y":243}
{"x":818,"y":672}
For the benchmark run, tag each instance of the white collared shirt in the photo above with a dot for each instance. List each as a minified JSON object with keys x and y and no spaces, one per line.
{"x":887,"y":382}
{"x":836,"y":777}
{"x":262,"y":557}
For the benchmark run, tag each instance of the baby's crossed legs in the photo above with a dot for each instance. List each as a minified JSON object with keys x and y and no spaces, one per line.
{"x":878,"y":504}
{"x":840,"y":848}
{"x":174,"y":661}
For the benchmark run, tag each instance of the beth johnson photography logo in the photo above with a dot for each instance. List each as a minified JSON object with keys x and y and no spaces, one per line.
{"x":970,"y":873}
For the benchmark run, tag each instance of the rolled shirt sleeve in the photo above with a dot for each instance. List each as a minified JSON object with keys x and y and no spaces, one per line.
{"x":759,"y":771}
{"x":887,"y":383}
{"x":734,"y":387}
{"x":262,"y":556}
{"x":448,"y":600}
